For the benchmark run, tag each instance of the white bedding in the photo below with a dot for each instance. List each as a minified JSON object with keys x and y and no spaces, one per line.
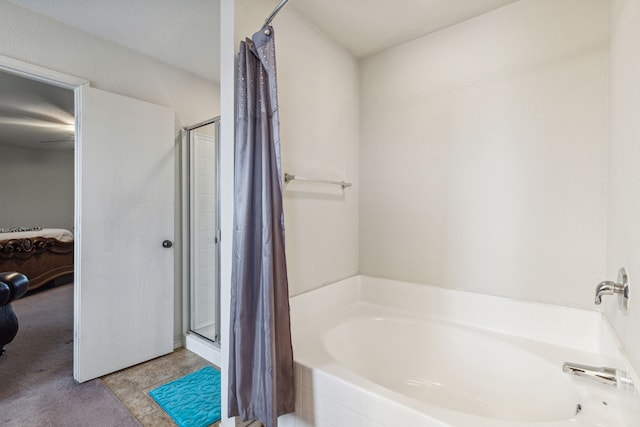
{"x":57,"y":233}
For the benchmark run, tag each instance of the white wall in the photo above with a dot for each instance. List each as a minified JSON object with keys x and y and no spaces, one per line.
{"x":623,"y":233}
{"x":33,"y":38}
{"x":37,"y":188}
{"x":483,"y":154}
{"x":319,"y":114}
{"x":227,"y":130}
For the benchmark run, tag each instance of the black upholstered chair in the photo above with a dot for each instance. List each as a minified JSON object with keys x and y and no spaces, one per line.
{"x":12,"y":286}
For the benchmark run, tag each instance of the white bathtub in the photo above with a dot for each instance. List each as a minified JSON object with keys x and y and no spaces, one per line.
{"x":374,"y":352}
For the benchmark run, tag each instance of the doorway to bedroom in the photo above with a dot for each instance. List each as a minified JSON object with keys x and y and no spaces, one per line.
{"x":124,"y":181}
{"x":37,"y":159}
{"x":37,"y":134}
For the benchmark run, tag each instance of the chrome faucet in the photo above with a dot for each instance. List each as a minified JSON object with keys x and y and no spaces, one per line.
{"x":607,"y":288}
{"x":602,"y":375}
{"x":621,"y":287}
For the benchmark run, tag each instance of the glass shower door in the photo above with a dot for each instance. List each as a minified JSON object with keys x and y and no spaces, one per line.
{"x":204,"y":235}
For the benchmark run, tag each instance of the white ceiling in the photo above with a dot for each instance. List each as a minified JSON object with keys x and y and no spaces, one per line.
{"x":35,"y":115}
{"x":365,"y":27}
{"x":185,"y":34}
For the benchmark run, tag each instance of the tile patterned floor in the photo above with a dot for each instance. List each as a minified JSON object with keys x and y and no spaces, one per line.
{"x":132,"y":385}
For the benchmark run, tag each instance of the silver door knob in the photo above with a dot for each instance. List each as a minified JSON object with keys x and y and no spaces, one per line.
{"x":167,"y":244}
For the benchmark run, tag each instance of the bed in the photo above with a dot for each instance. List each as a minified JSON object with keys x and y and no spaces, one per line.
{"x":42,"y":255}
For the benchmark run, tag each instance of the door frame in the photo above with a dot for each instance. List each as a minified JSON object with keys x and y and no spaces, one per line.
{"x":66,"y":81}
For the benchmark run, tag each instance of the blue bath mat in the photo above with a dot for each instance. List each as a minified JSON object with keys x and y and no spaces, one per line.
{"x":193,"y":400}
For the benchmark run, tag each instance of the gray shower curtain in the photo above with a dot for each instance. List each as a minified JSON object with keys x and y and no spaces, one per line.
{"x":260,"y":355}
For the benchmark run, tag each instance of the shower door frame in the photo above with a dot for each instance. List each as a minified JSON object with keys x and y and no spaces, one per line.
{"x":188,"y":250}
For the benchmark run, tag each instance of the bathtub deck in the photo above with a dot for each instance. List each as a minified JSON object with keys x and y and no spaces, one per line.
{"x":329,"y":394}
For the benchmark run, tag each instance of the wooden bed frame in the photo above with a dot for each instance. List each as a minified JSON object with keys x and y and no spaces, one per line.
{"x":41,"y":259}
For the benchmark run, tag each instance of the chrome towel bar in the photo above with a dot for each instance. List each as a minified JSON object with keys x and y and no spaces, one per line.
{"x":291,"y":177}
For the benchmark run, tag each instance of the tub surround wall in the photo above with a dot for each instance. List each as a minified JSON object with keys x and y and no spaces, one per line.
{"x":33,"y":38}
{"x":483,"y":154}
{"x":623,"y":226}
{"x":37,"y":187}
{"x":319,"y":115}
{"x":490,"y":139}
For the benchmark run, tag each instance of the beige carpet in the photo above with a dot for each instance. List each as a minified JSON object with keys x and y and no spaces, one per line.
{"x":37,"y":386}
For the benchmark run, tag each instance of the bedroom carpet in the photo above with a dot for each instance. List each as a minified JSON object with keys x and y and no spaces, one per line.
{"x":36,"y":372}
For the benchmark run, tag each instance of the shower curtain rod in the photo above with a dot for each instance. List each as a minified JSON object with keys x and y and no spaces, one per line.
{"x":275,"y":12}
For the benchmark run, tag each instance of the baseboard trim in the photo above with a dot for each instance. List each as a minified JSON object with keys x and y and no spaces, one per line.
{"x":204,"y":348}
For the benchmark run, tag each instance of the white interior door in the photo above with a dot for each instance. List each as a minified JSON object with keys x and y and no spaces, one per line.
{"x":125,"y":190}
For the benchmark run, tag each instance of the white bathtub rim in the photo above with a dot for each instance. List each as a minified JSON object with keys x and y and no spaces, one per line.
{"x":598,"y":333}
{"x":587,"y":331}
{"x":323,"y":367}
{"x":328,"y":305}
